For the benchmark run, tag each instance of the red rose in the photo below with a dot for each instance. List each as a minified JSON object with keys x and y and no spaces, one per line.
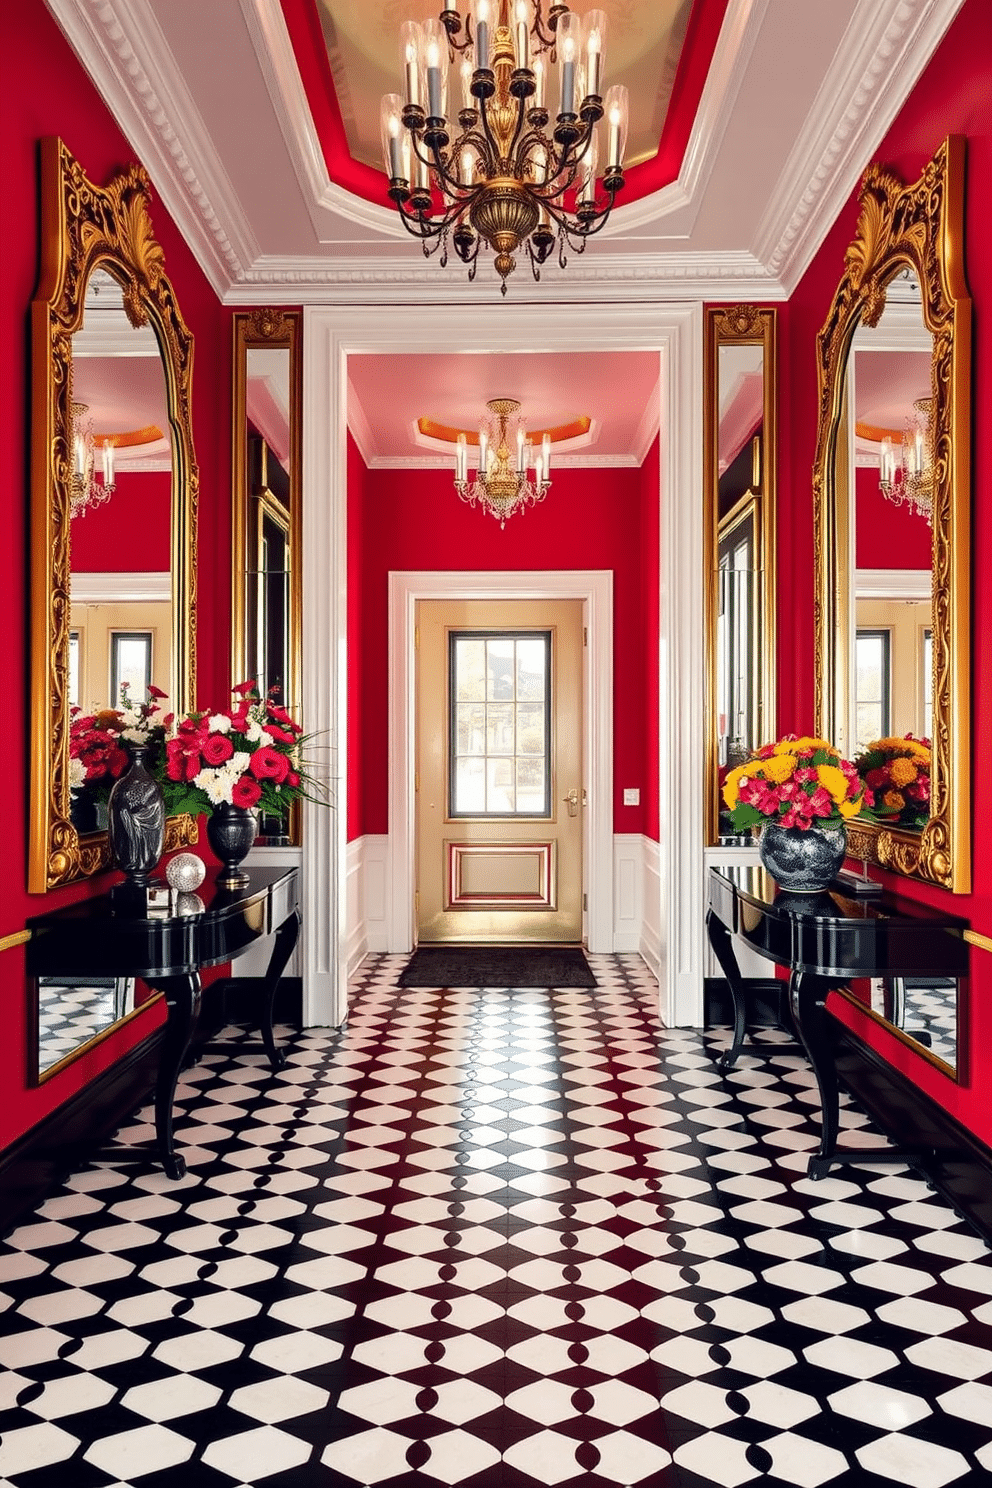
{"x":246,"y":792}
{"x":283,"y":736}
{"x":292,"y":778}
{"x":216,"y":748}
{"x":156,"y":692}
{"x":244,"y":688}
{"x":269,"y":764}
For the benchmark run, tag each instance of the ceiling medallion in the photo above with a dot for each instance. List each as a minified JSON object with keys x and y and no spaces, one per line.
{"x":504,"y":180}
{"x":502,"y":485}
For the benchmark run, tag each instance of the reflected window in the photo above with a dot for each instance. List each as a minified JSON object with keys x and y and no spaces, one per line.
{"x":74,"y":668}
{"x":499,"y":761}
{"x":927,"y":688}
{"x":873,"y":690}
{"x":130,"y":664}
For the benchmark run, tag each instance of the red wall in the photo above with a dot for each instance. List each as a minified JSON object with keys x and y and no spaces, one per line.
{"x":46,"y":92}
{"x":590,"y":519}
{"x":888,"y":536}
{"x":952,"y":97}
{"x":131,"y":532}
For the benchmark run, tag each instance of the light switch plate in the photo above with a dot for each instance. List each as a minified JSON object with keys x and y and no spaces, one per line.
{"x":631,"y":795}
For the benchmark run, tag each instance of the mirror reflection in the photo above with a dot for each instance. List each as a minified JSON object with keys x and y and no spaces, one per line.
{"x":922,"y":1010}
{"x":74,"y":1014}
{"x":267,"y":410}
{"x":121,"y":614}
{"x":884,"y":463}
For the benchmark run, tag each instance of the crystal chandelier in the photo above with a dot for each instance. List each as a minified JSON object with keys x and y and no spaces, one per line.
{"x":502,"y":485}
{"x":503,"y":179}
{"x":906,"y":477}
{"x":85,"y":490}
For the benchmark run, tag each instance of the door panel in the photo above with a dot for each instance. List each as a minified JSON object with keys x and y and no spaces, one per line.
{"x":499,"y":832}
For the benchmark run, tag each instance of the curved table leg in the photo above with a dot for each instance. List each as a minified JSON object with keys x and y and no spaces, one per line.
{"x":182,"y":998}
{"x":807,"y":998}
{"x":723,"y":950}
{"x":285,"y":943}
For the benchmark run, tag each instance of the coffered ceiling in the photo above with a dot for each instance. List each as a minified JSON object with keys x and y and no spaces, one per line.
{"x":209,"y":92}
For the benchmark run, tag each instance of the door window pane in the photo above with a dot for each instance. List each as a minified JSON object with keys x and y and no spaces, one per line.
{"x":74,"y":668}
{"x":872,"y":690}
{"x":500,"y":725}
{"x":928,"y":684}
{"x":130,"y":665}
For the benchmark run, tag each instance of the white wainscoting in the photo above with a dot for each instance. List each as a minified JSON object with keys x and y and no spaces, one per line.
{"x":371,"y":921}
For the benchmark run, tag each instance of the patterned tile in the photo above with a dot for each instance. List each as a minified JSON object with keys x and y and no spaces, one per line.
{"x":500,"y":1239}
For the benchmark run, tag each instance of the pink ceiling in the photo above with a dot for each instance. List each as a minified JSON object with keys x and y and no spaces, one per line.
{"x":887,"y":383}
{"x":389,"y":393}
{"x":123,"y":393}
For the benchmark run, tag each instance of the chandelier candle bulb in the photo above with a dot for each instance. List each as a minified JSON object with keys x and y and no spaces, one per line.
{"x":466,"y":70}
{"x":466,"y":166}
{"x":540,"y":74}
{"x":483,"y":451}
{"x":435,"y":46}
{"x":546,"y":452}
{"x":521,"y":449}
{"x":482,"y":18}
{"x":616,"y":107}
{"x":410,"y":37}
{"x":523,"y":33}
{"x":595,"y":29}
{"x":108,"y":466}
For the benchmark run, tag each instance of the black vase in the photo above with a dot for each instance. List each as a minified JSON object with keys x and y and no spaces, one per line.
{"x":136,"y":821}
{"x":231,"y":831}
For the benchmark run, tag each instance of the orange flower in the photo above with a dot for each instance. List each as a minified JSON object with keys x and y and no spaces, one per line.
{"x":894,"y":799}
{"x":834,"y":781}
{"x":902,"y":772}
{"x":779,"y":768}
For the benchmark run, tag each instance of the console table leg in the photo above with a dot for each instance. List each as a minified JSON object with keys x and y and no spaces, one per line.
{"x":723,"y":950}
{"x":807,"y":998}
{"x":285,"y":943}
{"x":182,"y":998}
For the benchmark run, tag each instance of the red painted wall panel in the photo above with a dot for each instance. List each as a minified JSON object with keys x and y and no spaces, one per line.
{"x":888,"y":536}
{"x":649,"y":622}
{"x":131,"y":532}
{"x":952,"y":97}
{"x":590,"y":519}
{"x":46,"y":92}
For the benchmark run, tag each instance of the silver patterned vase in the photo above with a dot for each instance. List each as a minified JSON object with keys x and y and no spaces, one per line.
{"x":802,"y":861}
{"x":136,"y":821}
{"x":231,"y":830}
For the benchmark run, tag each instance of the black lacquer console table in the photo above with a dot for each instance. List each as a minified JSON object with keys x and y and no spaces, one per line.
{"x":95,"y":937}
{"x":825,"y":940}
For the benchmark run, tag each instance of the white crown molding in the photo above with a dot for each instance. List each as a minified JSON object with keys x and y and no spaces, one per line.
{"x":121,"y":588}
{"x":900,"y":328}
{"x":893,"y":583}
{"x":109,"y":334}
{"x":277,"y":61}
{"x":593,"y":278}
{"x":885,"y":49}
{"x":648,"y":427}
{"x":360,"y":428}
{"x":121,"y":46}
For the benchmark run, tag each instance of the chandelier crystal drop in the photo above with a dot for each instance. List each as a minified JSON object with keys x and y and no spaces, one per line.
{"x":502,"y":485}
{"x":86,"y":490}
{"x":906,"y":469}
{"x":506,"y":176}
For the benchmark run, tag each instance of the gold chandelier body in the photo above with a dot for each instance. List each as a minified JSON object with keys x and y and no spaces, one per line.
{"x":506,"y":180}
{"x":907,"y":473}
{"x":501,"y":488}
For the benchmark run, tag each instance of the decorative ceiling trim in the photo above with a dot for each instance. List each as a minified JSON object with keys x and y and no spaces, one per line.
{"x":892,"y":583}
{"x":598,"y":276}
{"x":277,"y":60}
{"x":588,"y":461}
{"x":648,"y":427}
{"x":121,"y":46}
{"x":121,"y":588}
{"x":887,"y":46}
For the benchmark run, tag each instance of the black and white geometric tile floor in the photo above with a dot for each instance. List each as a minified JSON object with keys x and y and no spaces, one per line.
{"x":498,"y":1239}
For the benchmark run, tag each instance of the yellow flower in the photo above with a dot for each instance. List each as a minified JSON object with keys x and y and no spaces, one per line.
{"x":778,"y":767}
{"x":793,"y":746}
{"x":894,"y":800}
{"x":850,"y":808}
{"x":902,"y":771}
{"x":731,"y":785}
{"x":833,"y":780}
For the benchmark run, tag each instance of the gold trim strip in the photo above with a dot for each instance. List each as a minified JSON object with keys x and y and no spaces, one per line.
{"x":975,"y":938}
{"x":8,"y":942}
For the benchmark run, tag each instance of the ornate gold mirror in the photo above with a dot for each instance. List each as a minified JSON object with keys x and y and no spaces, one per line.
{"x":893,"y":513}
{"x":267,"y":465}
{"x":739,"y":480}
{"x":113,"y":496}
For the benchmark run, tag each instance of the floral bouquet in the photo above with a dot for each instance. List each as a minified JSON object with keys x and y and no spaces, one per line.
{"x":897,"y":770}
{"x":798,"y":782}
{"x":98,"y":755}
{"x":247,"y":757}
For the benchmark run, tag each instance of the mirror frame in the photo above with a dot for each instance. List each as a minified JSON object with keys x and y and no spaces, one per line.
{"x":270,"y":329}
{"x":736,"y":325}
{"x":84,"y":226}
{"x":921,"y":227}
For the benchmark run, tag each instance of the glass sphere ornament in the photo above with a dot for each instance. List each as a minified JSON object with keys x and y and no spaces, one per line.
{"x":185,"y":872}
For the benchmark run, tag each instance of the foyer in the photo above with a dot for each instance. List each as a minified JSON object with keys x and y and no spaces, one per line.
{"x":500,"y":1239}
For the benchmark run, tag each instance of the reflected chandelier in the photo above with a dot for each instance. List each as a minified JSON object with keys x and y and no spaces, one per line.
{"x":906,"y":477}
{"x":85,"y":490}
{"x":503,"y":179}
{"x":502,"y":485}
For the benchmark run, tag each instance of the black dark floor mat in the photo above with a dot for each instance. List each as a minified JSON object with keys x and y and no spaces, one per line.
{"x":497,"y":966}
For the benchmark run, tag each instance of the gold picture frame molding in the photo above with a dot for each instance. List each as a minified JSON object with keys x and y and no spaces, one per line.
{"x":920,"y":226}
{"x":83,"y":227}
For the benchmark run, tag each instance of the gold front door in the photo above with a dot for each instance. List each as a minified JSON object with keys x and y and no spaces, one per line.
{"x":499,"y":770}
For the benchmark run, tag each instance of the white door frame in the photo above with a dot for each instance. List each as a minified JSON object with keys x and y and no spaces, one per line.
{"x":675,"y":332}
{"x":595,"y":590}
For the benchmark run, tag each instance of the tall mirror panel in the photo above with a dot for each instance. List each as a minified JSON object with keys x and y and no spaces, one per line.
{"x":266,"y":513}
{"x":740,"y":458}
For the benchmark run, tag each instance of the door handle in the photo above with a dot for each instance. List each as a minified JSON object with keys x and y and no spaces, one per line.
{"x":571,"y":800}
